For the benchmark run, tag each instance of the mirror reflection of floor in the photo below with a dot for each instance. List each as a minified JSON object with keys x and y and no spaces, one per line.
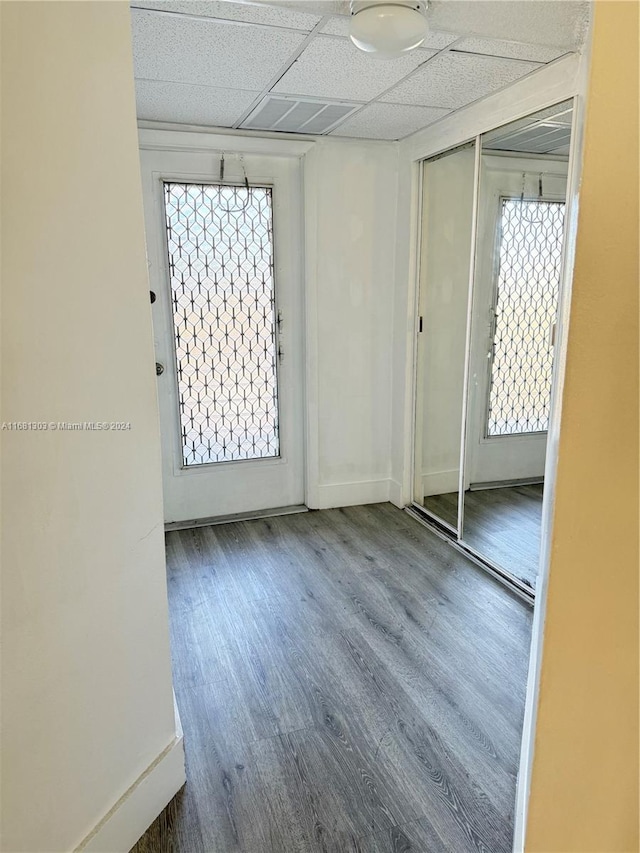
{"x":503,"y":525}
{"x":444,"y":507}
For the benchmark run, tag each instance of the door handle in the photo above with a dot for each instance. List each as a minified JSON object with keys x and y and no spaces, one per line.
{"x":159,"y":368}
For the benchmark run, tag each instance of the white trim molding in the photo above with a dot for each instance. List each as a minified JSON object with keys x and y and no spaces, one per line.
{"x":353,"y":494}
{"x":523,"y":786}
{"x":310,"y":179}
{"x":205,"y":140}
{"x":440,"y":482}
{"x":395,"y":494}
{"x":139,"y":806}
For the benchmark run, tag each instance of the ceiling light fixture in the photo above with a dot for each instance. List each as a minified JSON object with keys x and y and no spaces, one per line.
{"x":387,"y":30}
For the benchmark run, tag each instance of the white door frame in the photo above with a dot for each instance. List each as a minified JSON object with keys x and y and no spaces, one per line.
{"x":561,"y":80}
{"x":170,"y":138}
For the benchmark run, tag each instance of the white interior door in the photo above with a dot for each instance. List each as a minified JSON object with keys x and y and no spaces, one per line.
{"x":518,"y":255}
{"x":225,"y":259}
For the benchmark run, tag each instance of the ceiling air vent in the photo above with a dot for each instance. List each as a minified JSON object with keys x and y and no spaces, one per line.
{"x":548,"y":132}
{"x":298,"y":115}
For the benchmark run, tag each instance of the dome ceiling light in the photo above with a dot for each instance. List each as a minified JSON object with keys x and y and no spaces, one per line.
{"x":387,"y":30}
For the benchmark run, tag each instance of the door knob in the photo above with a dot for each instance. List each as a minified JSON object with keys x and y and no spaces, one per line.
{"x":159,"y":368}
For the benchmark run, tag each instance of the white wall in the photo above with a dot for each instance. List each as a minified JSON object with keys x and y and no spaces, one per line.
{"x":87,"y":702}
{"x":351,"y":197}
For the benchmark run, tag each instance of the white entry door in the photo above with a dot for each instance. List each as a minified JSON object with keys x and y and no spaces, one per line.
{"x":225,"y":257}
{"x":516,"y":288}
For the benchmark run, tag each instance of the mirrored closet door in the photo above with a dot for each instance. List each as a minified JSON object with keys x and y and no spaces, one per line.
{"x":448,"y":183}
{"x":486,"y":334}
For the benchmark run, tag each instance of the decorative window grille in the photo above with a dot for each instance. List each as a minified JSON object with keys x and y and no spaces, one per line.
{"x":530,"y":254}
{"x":220,"y":246}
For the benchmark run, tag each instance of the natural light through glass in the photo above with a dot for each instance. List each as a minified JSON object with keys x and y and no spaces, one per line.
{"x":220,"y":248}
{"x":526,"y":305}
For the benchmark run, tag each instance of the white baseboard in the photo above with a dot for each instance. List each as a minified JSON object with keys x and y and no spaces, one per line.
{"x":440,"y":482}
{"x":396,"y":495}
{"x":138,"y":807}
{"x":352,"y":494}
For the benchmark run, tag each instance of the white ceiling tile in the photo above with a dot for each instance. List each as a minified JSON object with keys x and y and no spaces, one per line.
{"x":561,"y":24}
{"x":157,"y":100}
{"x":509,"y":49}
{"x":438,"y":40}
{"x":339,"y":26}
{"x":334,"y":68}
{"x":316,"y":7}
{"x":452,"y":80}
{"x":210,"y":53}
{"x":322,"y":8}
{"x":388,"y":121}
{"x":230,"y":11}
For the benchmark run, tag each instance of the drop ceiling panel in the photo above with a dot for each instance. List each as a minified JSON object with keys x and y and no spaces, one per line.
{"x":210,"y":61}
{"x":558,"y":115}
{"x":337,"y":26}
{"x":546,"y":132}
{"x":437,"y":40}
{"x":212,"y":53}
{"x":334,"y":68}
{"x":538,"y":140}
{"x":452,"y":80}
{"x":562,"y":23}
{"x":509,"y":49}
{"x":158,"y":100}
{"x":388,"y":121}
{"x":315,"y":7}
{"x":235,"y":12}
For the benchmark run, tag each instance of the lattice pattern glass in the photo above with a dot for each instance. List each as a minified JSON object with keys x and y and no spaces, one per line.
{"x":526,"y":304}
{"x":220,"y":244}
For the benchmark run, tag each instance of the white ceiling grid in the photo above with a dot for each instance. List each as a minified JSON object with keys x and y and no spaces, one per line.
{"x":455,"y":79}
{"x":212,"y":62}
{"x":332,"y":67}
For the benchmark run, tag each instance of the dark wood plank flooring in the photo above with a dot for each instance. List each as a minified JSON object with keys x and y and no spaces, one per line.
{"x":346,"y":682}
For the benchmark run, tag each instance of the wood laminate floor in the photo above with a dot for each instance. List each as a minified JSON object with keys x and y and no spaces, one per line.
{"x":503,"y":525}
{"x":443,"y":506}
{"x":347,"y":682}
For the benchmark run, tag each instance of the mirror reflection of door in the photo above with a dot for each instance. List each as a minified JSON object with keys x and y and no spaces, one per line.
{"x":447,"y":222}
{"x":519,"y":249}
